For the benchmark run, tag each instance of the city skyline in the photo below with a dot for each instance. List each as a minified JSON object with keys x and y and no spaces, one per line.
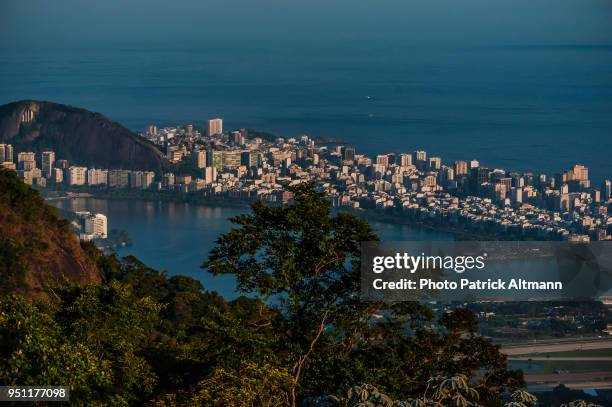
{"x":238,"y":166}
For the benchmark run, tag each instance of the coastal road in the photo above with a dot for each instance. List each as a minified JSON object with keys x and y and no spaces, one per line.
{"x":561,"y":346}
{"x":599,"y":378}
{"x":577,"y":381}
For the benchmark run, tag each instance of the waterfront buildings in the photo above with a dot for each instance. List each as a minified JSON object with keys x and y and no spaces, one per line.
{"x":93,"y":226}
{"x":97,"y":176}
{"x":411,"y":187}
{"x":141,"y":179}
{"x":77,"y":175}
{"x":118,"y":178}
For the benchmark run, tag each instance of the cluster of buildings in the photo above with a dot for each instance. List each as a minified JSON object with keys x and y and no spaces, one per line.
{"x":462,"y":196}
{"x":44,"y":170}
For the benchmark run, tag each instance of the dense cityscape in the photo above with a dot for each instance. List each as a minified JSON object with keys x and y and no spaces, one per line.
{"x":462,"y":196}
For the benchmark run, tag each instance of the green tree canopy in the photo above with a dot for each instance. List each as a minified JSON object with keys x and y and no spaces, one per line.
{"x":303,"y":260}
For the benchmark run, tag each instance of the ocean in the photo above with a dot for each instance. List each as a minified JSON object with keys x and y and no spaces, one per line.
{"x":525,"y":108}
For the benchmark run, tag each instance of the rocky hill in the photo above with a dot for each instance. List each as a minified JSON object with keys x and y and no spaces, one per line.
{"x":37,"y":248}
{"x":78,"y":135}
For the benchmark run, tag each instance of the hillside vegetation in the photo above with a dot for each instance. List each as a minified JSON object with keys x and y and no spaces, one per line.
{"x":299,"y":336}
{"x":37,"y":248}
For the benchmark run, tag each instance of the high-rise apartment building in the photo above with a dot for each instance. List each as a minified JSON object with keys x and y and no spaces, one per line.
{"x":97,"y":177}
{"x":251,"y":159}
{"x":231,"y":159}
{"x":94,"y":225}
{"x":578,"y":172}
{"x":77,"y":175}
{"x":215,"y":126}
{"x":237,"y":138}
{"x":199,"y":158}
{"x":26,"y":161}
{"x":147,"y":179}
{"x":446,"y":174}
{"x":29,"y":176}
{"x":174,"y":154}
{"x":434,"y":163}
{"x":210,"y":175}
{"x":63,"y":164}
{"x":419,"y":156}
{"x":6,"y":153}
{"x":405,"y":160}
{"x":517,"y":194}
{"x":382,"y":160}
{"x":606,"y":190}
{"x":141,"y":179}
{"x":118,"y":178}
{"x":348,"y":153}
{"x":58,"y":176}
{"x":151,"y":130}
{"x":168,"y":180}
{"x":135,"y":179}
{"x":461,"y":168}
{"x":47,"y":162}
{"x":479,"y":176}
{"x":577,"y":177}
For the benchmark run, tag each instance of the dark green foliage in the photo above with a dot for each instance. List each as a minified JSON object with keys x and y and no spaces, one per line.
{"x":25,"y":201}
{"x":89,"y":340}
{"x":301,"y":327}
{"x":305,"y":263}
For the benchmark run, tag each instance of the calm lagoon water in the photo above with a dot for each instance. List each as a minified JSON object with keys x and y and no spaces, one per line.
{"x":177,"y":237}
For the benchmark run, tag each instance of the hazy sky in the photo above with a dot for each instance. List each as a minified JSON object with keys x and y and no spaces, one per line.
{"x":188,"y":23}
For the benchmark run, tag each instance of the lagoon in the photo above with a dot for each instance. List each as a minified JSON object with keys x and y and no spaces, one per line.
{"x":177,"y":237}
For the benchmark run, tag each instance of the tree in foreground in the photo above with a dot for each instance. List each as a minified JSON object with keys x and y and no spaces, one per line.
{"x":142,"y":337}
{"x":304,"y":262}
{"x":89,"y":339}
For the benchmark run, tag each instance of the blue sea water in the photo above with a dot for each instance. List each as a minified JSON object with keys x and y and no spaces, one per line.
{"x":527,"y":108}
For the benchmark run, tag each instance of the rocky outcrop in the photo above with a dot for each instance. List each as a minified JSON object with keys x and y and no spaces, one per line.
{"x":38,"y":251}
{"x":78,"y":135}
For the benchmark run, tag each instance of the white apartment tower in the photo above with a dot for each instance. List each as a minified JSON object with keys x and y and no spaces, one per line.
{"x":77,"y":175}
{"x":96,"y":225}
{"x":97,"y":176}
{"x":6,"y":153}
{"x":215,"y":126}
